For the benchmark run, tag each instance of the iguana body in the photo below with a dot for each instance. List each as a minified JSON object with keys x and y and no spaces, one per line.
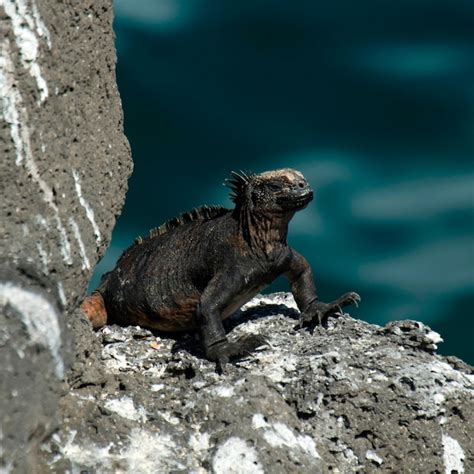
{"x":196,"y":270}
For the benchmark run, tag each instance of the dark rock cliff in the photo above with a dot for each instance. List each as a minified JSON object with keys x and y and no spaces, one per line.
{"x":64,"y":168}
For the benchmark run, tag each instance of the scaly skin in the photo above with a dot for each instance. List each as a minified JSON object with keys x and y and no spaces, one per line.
{"x":196,"y":270}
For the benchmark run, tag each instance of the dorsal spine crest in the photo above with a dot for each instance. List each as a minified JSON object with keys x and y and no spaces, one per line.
{"x":237,"y":183}
{"x":203,"y":213}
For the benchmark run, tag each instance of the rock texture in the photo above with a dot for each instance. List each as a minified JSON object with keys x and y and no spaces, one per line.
{"x":350,"y":397}
{"x":64,"y":169}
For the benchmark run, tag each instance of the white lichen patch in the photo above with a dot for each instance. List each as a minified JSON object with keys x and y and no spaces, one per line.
{"x":65,"y":246}
{"x":470,"y":377}
{"x":145,"y":452}
{"x":117,"y":357}
{"x":224,"y":391}
{"x":11,"y":102}
{"x":280,"y":367}
{"x":442,"y":420}
{"x":84,"y":398}
{"x":282,"y":298}
{"x":434,"y":337}
{"x":258,"y":421}
{"x":199,"y":445}
{"x":152,"y":452}
{"x":15,"y":115}
{"x":44,"y":257}
{"x":82,"y":249}
{"x":155,"y":371}
{"x":374,"y":457}
{"x":439,"y":398}
{"x":83,"y":455}
{"x":252,"y":327}
{"x":125,"y":408}
{"x":315,"y":361}
{"x":87,"y":207}
{"x":279,"y":435}
{"x":168,"y":417}
{"x":126,"y":357}
{"x":28,"y":28}
{"x":234,"y":456}
{"x":40,"y":318}
{"x":115,"y":361}
{"x":435,"y":382}
{"x":40,"y":26}
{"x":62,"y":294}
{"x":453,"y":455}
{"x":199,"y":442}
{"x":110,"y":334}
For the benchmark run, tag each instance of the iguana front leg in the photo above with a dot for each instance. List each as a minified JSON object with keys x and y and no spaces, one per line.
{"x":216,"y":297}
{"x":304,"y":291}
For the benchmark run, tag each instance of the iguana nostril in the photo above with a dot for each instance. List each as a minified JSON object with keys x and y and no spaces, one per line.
{"x":301,"y":184}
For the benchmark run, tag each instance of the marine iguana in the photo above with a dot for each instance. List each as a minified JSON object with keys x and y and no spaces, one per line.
{"x":199,"y":268}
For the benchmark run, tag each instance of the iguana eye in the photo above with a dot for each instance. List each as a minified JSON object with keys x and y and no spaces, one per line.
{"x":274,"y":187}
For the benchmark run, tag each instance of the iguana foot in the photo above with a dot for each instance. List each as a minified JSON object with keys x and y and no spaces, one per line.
{"x":319,"y":312}
{"x":221,"y":352}
{"x":347,"y":299}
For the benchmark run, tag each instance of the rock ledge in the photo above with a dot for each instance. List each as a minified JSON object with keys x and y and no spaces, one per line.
{"x":348,"y":397}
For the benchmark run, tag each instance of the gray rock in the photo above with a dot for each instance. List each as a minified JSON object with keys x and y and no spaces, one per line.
{"x":350,"y":397}
{"x":64,"y":169}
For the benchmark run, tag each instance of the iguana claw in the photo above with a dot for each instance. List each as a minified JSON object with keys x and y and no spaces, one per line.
{"x":319,"y":312}
{"x":349,"y":298}
{"x":223,"y":351}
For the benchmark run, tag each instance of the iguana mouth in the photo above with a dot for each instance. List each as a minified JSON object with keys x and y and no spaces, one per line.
{"x":299,"y":202}
{"x":303,"y":201}
{"x":307,"y":197}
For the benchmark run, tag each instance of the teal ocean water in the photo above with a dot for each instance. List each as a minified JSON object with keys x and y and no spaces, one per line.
{"x":373,"y":102}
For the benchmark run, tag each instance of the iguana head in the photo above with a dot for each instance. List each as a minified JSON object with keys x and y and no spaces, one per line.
{"x":277,"y":191}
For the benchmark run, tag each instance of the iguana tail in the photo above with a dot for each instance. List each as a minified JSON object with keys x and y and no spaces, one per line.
{"x":94,"y":308}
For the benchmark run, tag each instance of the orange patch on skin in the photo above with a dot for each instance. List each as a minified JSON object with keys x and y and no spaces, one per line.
{"x":181,"y":317}
{"x":93,"y":307}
